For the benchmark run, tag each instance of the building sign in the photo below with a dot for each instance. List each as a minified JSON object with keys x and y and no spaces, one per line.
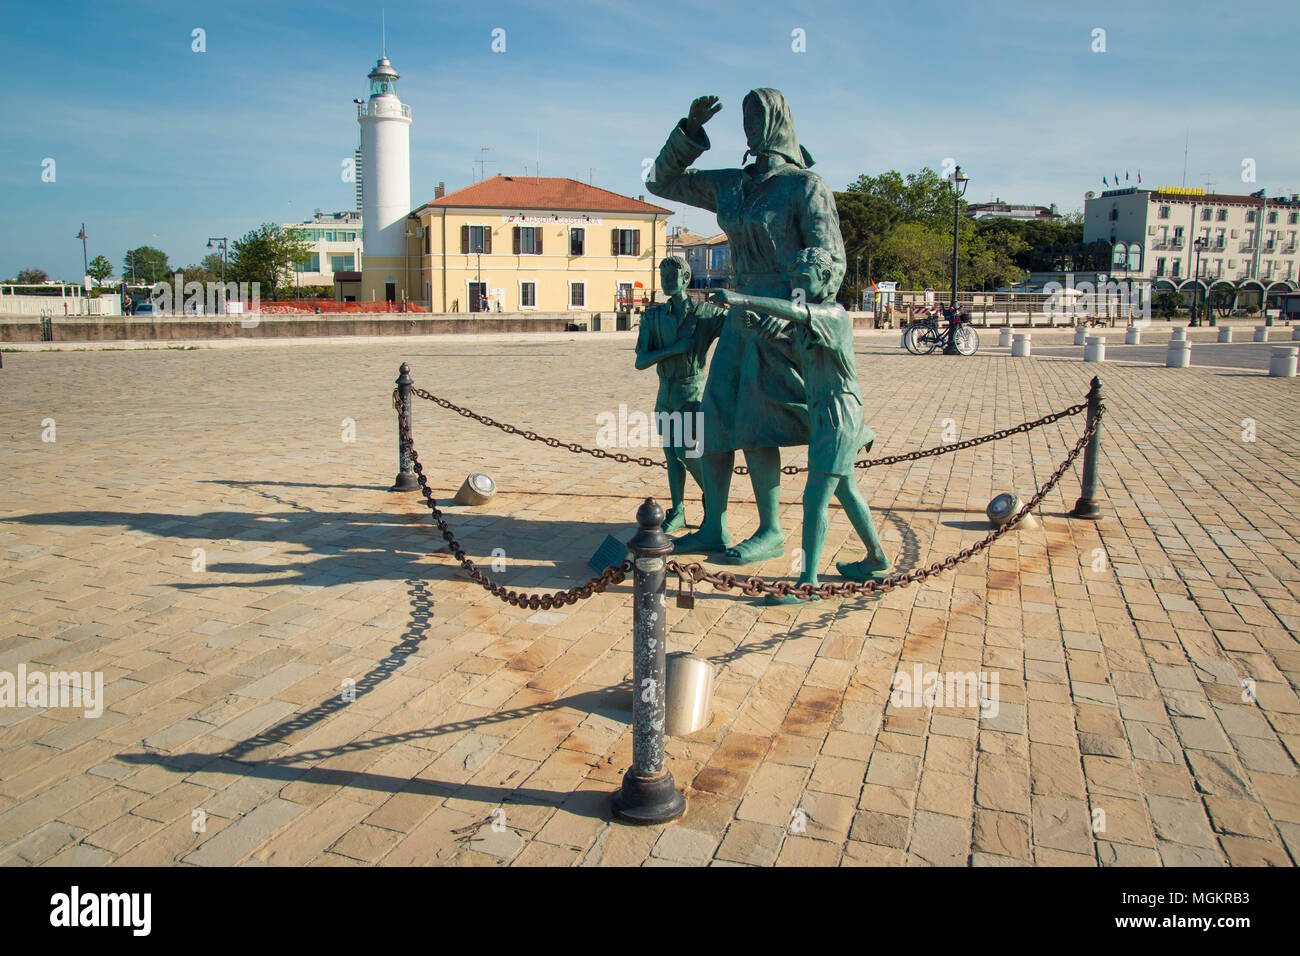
{"x":552,"y":220}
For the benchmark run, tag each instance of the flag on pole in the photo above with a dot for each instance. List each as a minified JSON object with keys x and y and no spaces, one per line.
{"x":1103,"y":181}
{"x":1139,"y":176}
{"x":82,"y":233}
{"x":1126,"y":175}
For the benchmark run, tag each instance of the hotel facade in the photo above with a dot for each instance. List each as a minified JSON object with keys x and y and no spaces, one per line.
{"x":1242,"y":249}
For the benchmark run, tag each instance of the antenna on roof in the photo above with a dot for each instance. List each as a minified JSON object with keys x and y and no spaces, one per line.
{"x":1186,"y":141}
{"x":383,"y":34}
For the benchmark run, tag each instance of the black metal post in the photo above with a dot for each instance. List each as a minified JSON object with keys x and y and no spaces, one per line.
{"x":406,"y":479}
{"x":1087,"y":506}
{"x":648,"y":794}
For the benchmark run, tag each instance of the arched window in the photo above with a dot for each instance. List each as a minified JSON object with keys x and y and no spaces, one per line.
{"x":1135,"y":257}
{"x":1118,"y":257}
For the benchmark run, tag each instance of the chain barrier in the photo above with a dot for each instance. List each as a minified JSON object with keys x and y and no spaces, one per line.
{"x":688,"y":575}
{"x":647,"y":462}
{"x":535,"y":602}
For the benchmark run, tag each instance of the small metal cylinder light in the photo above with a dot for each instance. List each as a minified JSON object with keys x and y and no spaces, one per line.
{"x":477,"y":489}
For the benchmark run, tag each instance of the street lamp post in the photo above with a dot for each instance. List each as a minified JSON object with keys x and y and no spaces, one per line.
{"x":959,"y":183}
{"x":221,"y":244}
{"x":1199,"y":245}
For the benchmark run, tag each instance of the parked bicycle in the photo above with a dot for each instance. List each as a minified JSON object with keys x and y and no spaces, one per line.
{"x":924,"y":335}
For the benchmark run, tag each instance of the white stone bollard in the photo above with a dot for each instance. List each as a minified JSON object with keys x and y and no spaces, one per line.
{"x":1295,"y":333}
{"x":1004,"y":336}
{"x":1283,"y":362}
{"x":1095,"y":349}
{"x":1080,"y":336}
{"x":1179,"y":334}
{"x":1225,"y":333}
{"x":1179,"y":354}
{"x":1020,"y":345}
{"x":1132,"y":335}
{"x":1261,"y":333}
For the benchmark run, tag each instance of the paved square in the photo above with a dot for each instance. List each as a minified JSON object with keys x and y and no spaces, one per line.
{"x":296,"y":673}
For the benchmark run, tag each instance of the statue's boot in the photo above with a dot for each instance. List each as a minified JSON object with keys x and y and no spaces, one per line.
{"x":675,"y":520}
{"x":757,"y":548}
{"x":702,"y":542}
{"x":865,"y":570}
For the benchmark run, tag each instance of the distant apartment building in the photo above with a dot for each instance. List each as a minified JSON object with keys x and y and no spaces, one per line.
{"x":710,"y":261}
{"x":1246,"y":244}
{"x":997,"y":209}
{"x":336,"y":247}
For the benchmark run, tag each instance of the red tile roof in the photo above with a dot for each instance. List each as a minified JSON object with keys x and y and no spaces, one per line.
{"x":533,"y":192}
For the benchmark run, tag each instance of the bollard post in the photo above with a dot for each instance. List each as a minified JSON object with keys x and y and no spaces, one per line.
{"x":648,"y":794}
{"x":1086,"y":506}
{"x":406,"y":480}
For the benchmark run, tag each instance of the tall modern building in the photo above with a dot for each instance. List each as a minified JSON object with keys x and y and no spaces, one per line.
{"x":386,"y":184}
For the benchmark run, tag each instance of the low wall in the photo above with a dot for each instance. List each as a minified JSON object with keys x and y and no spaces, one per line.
{"x":181,"y":328}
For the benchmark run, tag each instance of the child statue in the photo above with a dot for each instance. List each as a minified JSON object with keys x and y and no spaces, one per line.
{"x":675,"y":338}
{"x":822,"y":335}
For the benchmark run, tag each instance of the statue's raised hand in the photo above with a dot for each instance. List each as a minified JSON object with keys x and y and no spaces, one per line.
{"x":701,"y":111}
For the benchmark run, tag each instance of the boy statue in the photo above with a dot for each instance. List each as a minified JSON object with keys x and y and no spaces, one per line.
{"x":675,"y":337}
{"x":822,"y":335}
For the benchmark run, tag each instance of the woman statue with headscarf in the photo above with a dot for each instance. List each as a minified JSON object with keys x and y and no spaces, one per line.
{"x":754,"y":399}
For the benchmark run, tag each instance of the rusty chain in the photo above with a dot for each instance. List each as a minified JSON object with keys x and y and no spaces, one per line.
{"x":544,"y":602}
{"x":647,"y":462}
{"x":753,"y":586}
{"x":695,"y":572}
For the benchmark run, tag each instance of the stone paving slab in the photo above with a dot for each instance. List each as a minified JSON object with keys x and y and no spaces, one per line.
{"x":295,"y":672}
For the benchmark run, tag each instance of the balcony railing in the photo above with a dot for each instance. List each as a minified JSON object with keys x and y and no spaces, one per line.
{"x":1248,"y":246}
{"x":376,"y":108}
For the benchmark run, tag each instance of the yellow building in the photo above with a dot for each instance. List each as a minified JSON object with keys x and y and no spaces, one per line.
{"x":522,"y":244}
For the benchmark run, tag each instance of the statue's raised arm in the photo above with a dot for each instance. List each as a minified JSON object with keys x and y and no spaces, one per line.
{"x":670,"y":177}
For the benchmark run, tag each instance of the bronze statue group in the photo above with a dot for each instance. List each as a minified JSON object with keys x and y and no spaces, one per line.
{"x":783,"y":371}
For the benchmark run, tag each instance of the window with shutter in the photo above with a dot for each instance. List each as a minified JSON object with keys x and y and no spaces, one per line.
{"x":613,"y":242}
{"x":539,"y":241}
{"x":426,"y":241}
{"x":515,"y":240}
{"x":487,"y":240}
{"x":464,"y":239}
{"x":636,"y":242}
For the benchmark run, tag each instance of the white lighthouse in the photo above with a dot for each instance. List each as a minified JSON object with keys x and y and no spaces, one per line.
{"x":386,"y":185}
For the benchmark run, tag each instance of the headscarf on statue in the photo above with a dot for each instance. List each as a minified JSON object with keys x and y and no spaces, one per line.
{"x":777,"y":134}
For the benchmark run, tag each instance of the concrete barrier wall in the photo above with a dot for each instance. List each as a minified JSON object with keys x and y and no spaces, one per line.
{"x":180,"y":328}
{"x":58,"y":306}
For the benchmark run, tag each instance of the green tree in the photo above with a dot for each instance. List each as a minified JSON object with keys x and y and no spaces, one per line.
{"x":266,"y":255}
{"x":145,"y":265}
{"x":917,"y":255}
{"x":196,"y":273}
{"x":916,"y":197}
{"x":865,"y":222}
{"x":99,"y":269}
{"x":213,"y":264}
{"x":32,"y":277}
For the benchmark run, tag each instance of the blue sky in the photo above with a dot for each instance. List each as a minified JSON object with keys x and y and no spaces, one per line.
{"x":156,"y":144}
